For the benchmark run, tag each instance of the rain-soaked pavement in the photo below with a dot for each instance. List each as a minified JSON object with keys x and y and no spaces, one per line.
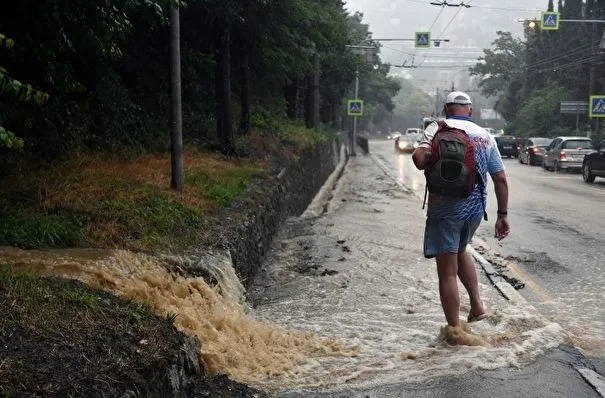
{"x":356,"y":273}
{"x":556,"y":242}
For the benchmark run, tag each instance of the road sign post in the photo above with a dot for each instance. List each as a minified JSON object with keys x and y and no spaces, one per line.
{"x":422,"y":40}
{"x":575,"y":108}
{"x":550,"y":20}
{"x":355,"y":108}
{"x":596,"y":106}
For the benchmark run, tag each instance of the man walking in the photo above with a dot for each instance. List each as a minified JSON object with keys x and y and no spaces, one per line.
{"x":452,"y":219}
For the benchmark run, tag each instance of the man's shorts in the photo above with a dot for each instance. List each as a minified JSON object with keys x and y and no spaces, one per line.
{"x":445,"y":235}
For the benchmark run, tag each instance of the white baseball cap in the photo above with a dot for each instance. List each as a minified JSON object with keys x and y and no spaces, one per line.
{"x":458,"y":97}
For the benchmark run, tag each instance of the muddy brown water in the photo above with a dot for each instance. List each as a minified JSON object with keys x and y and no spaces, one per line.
{"x":233,"y":343}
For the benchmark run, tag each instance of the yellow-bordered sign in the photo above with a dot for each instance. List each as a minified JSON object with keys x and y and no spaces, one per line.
{"x":355,"y":107}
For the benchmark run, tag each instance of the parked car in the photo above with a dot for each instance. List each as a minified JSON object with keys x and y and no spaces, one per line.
{"x":532,"y":151}
{"x":566,"y":153}
{"x":594,"y":163}
{"x":507,"y":145}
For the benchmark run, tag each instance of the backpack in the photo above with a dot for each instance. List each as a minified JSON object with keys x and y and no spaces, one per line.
{"x":451,"y":171}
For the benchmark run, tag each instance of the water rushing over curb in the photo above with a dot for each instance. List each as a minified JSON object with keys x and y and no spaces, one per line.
{"x":233,"y":342}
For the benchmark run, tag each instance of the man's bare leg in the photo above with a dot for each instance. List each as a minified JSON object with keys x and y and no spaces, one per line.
{"x":468,"y":275}
{"x":447,"y":270}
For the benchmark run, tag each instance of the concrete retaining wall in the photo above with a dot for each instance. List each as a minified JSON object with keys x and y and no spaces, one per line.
{"x":251,"y":223}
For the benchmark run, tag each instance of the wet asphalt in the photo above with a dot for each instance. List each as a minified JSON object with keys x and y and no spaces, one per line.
{"x":550,"y":214}
{"x":554,"y":257}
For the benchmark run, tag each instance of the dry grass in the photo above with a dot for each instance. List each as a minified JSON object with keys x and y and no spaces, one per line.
{"x":125,"y":202}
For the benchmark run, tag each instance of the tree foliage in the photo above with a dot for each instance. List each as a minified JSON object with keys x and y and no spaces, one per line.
{"x":529,"y":77}
{"x":105,"y":64}
{"x":22,"y":91}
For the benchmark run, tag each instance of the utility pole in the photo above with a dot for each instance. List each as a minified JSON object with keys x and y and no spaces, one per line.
{"x":593,"y":71}
{"x":354,"y":140}
{"x":315,"y":118}
{"x":176,"y":181}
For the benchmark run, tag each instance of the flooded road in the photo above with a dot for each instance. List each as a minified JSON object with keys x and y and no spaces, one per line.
{"x":346,"y":303}
{"x":357,"y":274}
{"x":556,"y":246}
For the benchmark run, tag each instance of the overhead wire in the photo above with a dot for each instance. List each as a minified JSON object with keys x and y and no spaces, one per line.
{"x":453,"y":18}
{"x":559,"y":57}
{"x":487,"y":6}
{"x":431,"y":27}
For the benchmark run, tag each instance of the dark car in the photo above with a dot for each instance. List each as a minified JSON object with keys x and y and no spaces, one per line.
{"x":532,"y":151}
{"x":507,"y":145}
{"x":594,"y":163}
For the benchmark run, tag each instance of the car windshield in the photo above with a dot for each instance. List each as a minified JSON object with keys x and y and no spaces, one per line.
{"x":543,"y":142}
{"x":577,"y":144}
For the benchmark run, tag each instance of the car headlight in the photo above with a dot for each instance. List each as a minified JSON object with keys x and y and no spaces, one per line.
{"x":402,"y":144}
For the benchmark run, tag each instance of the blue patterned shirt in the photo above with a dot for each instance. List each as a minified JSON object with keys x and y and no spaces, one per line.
{"x":487,"y":160}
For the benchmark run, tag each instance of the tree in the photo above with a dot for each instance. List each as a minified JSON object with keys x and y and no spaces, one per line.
{"x":23,"y":91}
{"x":501,"y":65}
{"x":410,"y":103}
{"x":540,"y":114}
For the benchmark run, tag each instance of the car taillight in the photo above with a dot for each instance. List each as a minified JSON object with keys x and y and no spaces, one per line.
{"x":563,"y":155}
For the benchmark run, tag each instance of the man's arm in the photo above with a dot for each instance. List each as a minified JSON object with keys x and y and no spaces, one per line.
{"x":420,"y":157}
{"x":421,"y":153}
{"x":501,"y":188}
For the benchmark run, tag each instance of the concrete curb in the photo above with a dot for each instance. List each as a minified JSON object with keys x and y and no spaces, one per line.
{"x":506,"y":289}
{"x":388,"y":172}
{"x":319,"y":203}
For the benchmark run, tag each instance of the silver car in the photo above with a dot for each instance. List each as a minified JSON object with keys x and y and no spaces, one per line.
{"x":567,"y":153}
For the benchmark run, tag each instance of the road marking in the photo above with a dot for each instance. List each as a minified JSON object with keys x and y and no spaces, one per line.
{"x":594,"y":379}
{"x":514,"y":269}
{"x":534,"y":286}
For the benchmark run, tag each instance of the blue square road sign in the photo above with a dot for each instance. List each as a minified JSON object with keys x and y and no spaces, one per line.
{"x":597,"y":106}
{"x":550,"y":20}
{"x":423,"y":40}
{"x":355,"y":107}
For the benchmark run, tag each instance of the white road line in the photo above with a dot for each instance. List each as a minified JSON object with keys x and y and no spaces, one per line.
{"x":594,"y":379}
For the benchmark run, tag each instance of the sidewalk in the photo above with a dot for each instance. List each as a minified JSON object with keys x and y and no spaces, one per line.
{"x":357,"y":273}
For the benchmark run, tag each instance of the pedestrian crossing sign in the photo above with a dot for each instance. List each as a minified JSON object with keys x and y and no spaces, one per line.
{"x":597,"y":106}
{"x":355,"y":107}
{"x":550,"y":20}
{"x":423,"y":40}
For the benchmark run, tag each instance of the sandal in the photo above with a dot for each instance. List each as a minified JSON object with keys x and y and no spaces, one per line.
{"x":476,"y":318}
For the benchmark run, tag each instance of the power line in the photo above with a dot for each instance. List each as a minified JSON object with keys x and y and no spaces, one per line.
{"x":560,"y":56}
{"x":467,"y":5}
{"x":462,"y":4}
{"x":436,"y":18}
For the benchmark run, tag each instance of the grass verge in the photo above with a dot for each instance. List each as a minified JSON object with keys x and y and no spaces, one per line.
{"x":73,"y":341}
{"x":97,"y":200}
